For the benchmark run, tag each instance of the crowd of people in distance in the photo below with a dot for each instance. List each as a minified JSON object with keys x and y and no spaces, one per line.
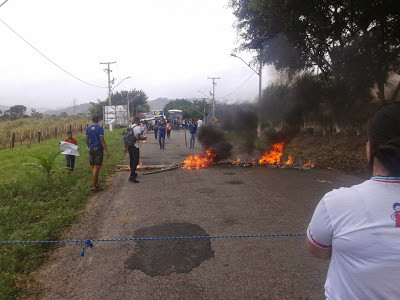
{"x":96,"y":144}
{"x":162,"y":129}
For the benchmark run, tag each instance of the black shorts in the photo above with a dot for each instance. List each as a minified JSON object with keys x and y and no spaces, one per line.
{"x":95,"y":157}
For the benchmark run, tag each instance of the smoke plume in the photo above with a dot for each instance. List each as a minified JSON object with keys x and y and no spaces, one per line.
{"x":210,"y":137}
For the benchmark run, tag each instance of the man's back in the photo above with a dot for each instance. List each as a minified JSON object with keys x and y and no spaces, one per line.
{"x":94,"y":132}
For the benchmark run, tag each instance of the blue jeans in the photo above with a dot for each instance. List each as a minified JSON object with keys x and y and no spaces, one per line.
{"x":161,"y":140}
{"x":192,"y":139}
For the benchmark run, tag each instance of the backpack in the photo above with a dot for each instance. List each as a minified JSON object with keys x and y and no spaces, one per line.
{"x":129,"y":138}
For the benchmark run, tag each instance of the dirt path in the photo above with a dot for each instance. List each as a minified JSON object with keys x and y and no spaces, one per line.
{"x":213,"y":201}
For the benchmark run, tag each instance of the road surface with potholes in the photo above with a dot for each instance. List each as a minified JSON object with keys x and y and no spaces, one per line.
{"x":219,"y":200}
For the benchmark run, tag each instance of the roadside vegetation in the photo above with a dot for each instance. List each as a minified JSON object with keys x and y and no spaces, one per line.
{"x":39,"y":205}
{"x":26,"y":130}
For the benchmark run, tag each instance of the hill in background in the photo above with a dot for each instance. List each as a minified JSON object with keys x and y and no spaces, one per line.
{"x":72,"y":110}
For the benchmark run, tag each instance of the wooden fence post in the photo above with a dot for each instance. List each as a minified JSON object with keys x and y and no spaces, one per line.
{"x":81,"y":129}
{"x":22,"y":138}
{"x":12,"y":140}
{"x":39,"y":134}
{"x":70,"y":127}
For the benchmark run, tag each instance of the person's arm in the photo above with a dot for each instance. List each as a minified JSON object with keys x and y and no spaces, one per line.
{"x":140,"y":137}
{"x":322,"y":253}
{"x":103,"y":143}
{"x":320,"y":233}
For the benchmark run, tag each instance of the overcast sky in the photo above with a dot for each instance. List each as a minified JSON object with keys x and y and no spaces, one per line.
{"x":169,"y":48}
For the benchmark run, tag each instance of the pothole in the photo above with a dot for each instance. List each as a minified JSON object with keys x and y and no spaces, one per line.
{"x":235,"y":182}
{"x":205,"y":190}
{"x":163,"y":257}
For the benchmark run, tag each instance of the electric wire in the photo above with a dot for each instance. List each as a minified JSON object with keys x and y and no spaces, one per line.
{"x":3,"y":3}
{"x":237,"y":88}
{"x":42,"y":54}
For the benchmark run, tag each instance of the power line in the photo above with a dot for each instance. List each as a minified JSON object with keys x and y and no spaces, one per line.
{"x":58,"y":66}
{"x":238,"y":87}
{"x":3,"y":3}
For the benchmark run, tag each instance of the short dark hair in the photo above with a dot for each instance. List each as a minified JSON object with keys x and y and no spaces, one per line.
{"x":383,"y":131}
{"x":95,"y":119}
{"x":69,"y":132}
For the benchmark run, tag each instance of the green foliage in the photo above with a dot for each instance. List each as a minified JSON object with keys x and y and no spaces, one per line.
{"x":353,"y":43}
{"x":35,"y":114}
{"x":15,"y":112}
{"x":31,"y":209}
{"x":46,"y":163}
{"x":96,"y":109}
{"x":191,"y":110}
{"x":137,"y":102}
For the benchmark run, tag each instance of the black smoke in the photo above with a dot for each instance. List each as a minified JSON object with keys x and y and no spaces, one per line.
{"x":211,"y":137}
{"x":241,"y":121}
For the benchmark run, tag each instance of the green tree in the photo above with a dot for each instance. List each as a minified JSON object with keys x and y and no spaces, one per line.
{"x":15,"y":112}
{"x":190,"y":110}
{"x":35,"y":114}
{"x":344,"y":39}
{"x":96,"y":109}
{"x":137,"y":100}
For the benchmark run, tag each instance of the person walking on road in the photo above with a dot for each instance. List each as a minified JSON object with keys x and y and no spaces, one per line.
{"x":155,"y":129}
{"x":192,"y":130}
{"x":162,"y":126}
{"x":97,"y":145}
{"x":358,"y":228}
{"x":133,"y":150}
{"x":169,"y":128}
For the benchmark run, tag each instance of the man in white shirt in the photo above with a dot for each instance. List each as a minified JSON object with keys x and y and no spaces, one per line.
{"x":358,"y":228}
{"x":134,"y":153}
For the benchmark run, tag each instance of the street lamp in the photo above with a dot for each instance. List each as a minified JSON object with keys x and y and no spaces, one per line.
{"x":204,"y":112}
{"x":259,"y":73}
{"x":203,"y":94}
{"x":120,"y":82}
{"x":129,"y":102}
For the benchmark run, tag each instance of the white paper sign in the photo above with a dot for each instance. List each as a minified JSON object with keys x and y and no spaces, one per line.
{"x":69,"y":149}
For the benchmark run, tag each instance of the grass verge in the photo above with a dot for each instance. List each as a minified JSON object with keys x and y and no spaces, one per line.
{"x":32,"y":208}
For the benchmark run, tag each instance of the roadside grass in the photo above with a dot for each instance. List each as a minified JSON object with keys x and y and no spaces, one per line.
{"x":33,"y":208}
{"x":25,"y":129}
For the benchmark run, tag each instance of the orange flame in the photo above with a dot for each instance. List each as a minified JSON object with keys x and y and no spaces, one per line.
{"x":273,"y":157}
{"x":309,"y":164}
{"x":203,"y":160}
{"x":237,"y":161}
{"x":289,"y":162}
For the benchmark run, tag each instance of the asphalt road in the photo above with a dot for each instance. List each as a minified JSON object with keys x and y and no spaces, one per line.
{"x":220,"y":200}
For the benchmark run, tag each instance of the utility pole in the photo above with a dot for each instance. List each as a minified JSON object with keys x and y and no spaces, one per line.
{"x":259,"y":91}
{"x":74,"y":106}
{"x":108,"y":70}
{"x":213,"y":93}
